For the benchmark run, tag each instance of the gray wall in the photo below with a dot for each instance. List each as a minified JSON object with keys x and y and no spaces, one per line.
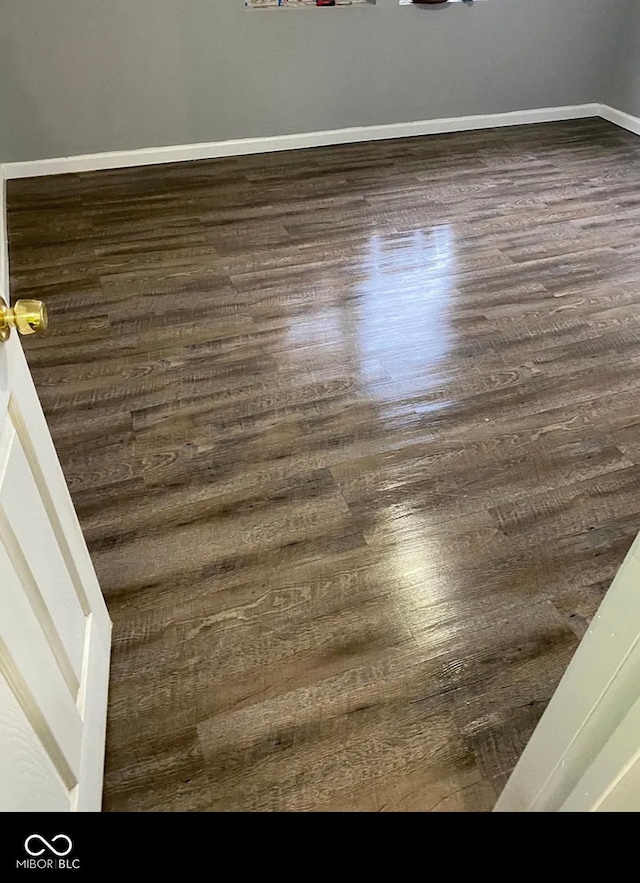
{"x":81,"y":76}
{"x":624,"y":85}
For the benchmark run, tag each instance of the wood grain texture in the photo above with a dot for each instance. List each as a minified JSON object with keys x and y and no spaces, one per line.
{"x":352,"y":434}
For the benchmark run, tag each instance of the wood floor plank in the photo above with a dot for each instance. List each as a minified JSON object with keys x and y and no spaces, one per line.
{"x":353,"y":434}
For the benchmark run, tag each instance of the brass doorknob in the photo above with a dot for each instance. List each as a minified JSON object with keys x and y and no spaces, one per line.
{"x":27,"y":316}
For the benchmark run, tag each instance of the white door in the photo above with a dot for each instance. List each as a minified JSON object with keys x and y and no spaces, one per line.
{"x":585,"y":754}
{"x":54,"y":626}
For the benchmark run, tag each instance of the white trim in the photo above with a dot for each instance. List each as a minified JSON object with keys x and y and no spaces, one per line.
{"x":211,"y":150}
{"x":620,"y":118}
{"x":87,"y":795}
{"x":4,"y":241}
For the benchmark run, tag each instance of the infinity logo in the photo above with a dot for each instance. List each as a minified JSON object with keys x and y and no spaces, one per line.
{"x":48,"y":845}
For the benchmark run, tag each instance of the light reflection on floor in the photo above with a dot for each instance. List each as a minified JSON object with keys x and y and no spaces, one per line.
{"x":403,"y":311}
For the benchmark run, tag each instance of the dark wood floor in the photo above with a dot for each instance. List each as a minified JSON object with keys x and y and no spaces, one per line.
{"x":354,"y":436}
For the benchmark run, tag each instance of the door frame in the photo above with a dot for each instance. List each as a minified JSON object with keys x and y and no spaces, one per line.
{"x":582,"y":751}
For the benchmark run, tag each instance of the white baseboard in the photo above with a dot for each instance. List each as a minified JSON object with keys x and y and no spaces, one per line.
{"x":620,"y":118}
{"x":185,"y":152}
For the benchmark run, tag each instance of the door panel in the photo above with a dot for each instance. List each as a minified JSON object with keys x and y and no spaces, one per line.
{"x":21,"y":508}
{"x":25,"y":766}
{"x":28,"y":662}
{"x":54,"y":626}
{"x":28,"y":419}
